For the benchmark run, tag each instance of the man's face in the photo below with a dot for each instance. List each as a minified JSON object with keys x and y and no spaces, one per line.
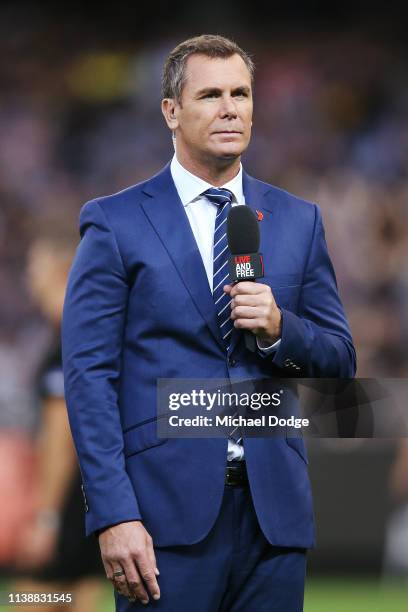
{"x":215,"y":115}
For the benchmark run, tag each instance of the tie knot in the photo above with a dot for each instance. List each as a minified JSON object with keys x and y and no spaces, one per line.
{"x":219,"y":196}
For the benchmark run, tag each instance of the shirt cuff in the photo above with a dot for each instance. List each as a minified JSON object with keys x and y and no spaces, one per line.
{"x":262,"y":346}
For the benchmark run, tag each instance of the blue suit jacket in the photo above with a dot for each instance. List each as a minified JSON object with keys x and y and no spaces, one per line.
{"x":138,"y":307}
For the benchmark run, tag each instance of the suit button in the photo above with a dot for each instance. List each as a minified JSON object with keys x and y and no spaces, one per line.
{"x":232,"y":362}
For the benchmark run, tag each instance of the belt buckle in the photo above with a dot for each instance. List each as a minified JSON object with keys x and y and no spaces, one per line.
{"x":235,"y":476}
{"x":229,"y":478}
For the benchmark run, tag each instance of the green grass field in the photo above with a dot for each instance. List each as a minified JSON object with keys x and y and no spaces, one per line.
{"x":331,"y":595}
{"x":346,"y":595}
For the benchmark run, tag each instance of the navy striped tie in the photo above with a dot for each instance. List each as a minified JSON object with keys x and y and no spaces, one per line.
{"x":222,"y":198}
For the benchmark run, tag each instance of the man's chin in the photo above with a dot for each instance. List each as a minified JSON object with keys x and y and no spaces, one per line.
{"x":228,"y":154}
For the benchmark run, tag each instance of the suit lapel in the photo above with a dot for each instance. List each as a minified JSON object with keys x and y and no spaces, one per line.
{"x":168,"y":217}
{"x":254,"y":193}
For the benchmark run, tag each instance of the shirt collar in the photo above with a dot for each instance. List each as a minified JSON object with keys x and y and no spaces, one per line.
{"x":190,"y":187}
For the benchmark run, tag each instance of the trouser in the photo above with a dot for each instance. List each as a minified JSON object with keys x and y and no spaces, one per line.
{"x":233,"y":569}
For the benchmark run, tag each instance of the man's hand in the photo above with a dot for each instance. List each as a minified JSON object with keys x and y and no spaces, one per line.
{"x":253,"y":307}
{"x":129,"y":547}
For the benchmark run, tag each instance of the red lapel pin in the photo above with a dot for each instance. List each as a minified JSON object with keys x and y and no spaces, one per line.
{"x":260,"y":214}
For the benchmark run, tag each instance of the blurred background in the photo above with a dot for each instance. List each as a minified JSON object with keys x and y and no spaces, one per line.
{"x":80,"y":117}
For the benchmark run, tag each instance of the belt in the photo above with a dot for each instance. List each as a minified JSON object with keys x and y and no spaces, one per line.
{"x":236,"y":474}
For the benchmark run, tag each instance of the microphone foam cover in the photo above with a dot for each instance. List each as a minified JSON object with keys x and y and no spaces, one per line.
{"x":242,"y":230}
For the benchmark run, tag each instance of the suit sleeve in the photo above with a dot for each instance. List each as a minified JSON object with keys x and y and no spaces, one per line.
{"x":317,"y":341}
{"x":92,"y":335}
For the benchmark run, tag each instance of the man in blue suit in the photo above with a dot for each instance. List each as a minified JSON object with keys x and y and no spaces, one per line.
{"x":227,"y":521}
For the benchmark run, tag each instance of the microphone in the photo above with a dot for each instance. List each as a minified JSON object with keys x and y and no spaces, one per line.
{"x":245,"y":262}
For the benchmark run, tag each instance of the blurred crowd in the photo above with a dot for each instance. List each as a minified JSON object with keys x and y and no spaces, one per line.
{"x":82,"y":118}
{"x":331,"y":125}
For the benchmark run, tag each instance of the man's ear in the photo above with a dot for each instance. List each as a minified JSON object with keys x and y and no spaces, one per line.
{"x":170,"y":112}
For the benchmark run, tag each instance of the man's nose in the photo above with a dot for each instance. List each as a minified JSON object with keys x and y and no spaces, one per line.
{"x":228,"y":107}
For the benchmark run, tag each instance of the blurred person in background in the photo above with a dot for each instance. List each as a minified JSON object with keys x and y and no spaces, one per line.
{"x":396,"y":534}
{"x":52,"y":553}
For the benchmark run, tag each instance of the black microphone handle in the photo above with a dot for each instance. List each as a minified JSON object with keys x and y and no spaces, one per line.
{"x":250,"y":341}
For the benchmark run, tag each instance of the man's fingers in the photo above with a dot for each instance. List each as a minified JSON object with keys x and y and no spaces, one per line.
{"x":108,"y":568}
{"x":247,"y":287}
{"x":120,"y":582}
{"x":246,"y":312}
{"x":254,"y":325}
{"x":146,"y":570}
{"x":256,"y":299}
{"x":134,"y":582}
{"x":152,"y":557}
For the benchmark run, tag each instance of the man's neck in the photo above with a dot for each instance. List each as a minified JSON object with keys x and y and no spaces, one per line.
{"x":215,"y":172}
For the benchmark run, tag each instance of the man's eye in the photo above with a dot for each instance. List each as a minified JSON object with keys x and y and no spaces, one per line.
{"x":210,"y":95}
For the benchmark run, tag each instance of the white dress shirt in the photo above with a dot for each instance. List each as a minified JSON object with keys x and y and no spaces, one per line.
{"x":201,"y":215}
